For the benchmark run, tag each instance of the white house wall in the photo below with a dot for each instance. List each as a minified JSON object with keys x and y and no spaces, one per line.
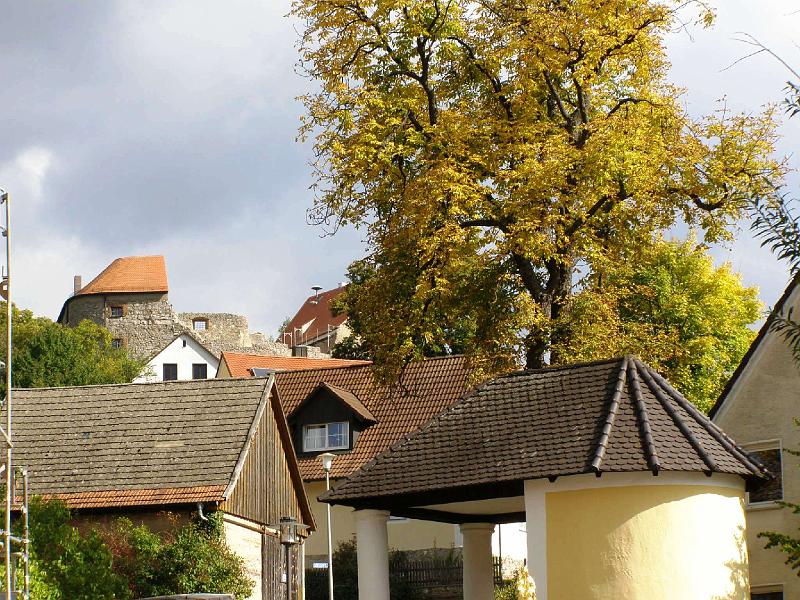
{"x":183,"y":351}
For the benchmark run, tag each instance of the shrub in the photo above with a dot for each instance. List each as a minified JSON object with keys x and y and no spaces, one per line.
{"x":196,"y":559}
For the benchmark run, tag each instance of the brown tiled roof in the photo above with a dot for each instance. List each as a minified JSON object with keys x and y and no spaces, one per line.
{"x":130,"y":274}
{"x":347,"y":397}
{"x":611,"y":416}
{"x":133,"y":444}
{"x":314,"y":317}
{"x":240,"y":365}
{"x":425,"y":389}
{"x":762,"y":333}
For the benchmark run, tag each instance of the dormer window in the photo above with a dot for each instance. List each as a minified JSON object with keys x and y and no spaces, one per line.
{"x":200,"y":324}
{"x":327,"y":436}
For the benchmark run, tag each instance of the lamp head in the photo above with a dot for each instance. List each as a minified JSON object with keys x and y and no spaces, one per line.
{"x":327,"y":461}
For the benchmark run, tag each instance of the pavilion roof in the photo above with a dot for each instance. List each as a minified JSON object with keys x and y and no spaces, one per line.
{"x":609,"y":416}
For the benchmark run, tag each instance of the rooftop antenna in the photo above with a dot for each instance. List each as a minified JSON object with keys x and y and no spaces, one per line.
{"x":316,"y":289}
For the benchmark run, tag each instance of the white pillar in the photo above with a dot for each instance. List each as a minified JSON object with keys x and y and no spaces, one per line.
{"x":477,"y":556}
{"x":536,"y":531}
{"x":373,"y":554}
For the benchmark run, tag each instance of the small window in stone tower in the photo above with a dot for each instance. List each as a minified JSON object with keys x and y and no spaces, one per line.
{"x":116,"y":343}
{"x":200,"y":324}
{"x":115,"y":312}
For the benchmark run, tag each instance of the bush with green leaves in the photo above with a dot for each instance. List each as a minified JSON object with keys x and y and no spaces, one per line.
{"x":194,"y":559}
{"x":69,"y":564}
{"x":126,"y":561}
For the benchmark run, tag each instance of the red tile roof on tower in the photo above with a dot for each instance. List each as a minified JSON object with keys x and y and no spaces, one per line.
{"x":314,"y":317}
{"x":130,"y":274}
{"x":241,"y":365}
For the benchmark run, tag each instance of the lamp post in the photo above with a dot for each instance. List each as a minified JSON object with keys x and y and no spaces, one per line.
{"x":327,"y":462}
{"x":288,"y":528}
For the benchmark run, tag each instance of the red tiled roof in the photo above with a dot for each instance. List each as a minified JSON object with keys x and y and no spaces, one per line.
{"x":118,"y":498}
{"x":130,"y":274}
{"x":425,"y":389}
{"x":239,"y":364}
{"x":314,"y":317}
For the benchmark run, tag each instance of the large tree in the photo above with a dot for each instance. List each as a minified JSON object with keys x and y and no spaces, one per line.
{"x":490,"y":147}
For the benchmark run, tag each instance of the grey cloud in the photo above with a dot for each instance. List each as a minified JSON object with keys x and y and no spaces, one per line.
{"x":169,"y":127}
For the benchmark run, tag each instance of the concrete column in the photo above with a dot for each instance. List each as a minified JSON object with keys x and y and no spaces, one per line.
{"x":536,"y":532}
{"x":373,"y":554}
{"x":477,"y":553}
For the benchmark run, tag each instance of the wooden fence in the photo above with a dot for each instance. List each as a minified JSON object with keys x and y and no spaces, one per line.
{"x":425,"y":574}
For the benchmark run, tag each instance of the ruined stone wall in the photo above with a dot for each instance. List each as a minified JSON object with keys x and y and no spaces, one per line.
{"x":148,"y":323}
{"x":81,"y":308}
{"x":222,"y":329}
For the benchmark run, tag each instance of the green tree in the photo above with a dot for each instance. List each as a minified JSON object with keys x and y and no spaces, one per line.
{"x":70,"y":565}
{"x":446,"y":336}
{"x":196,"y":559}
{"x":670,"y":305}
{"x":124,"y":561}
{"x":489,"y":148}
{"x":48,"y":354}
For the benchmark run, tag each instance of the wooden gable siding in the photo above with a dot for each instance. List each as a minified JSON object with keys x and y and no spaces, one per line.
{"x":265,"y":490}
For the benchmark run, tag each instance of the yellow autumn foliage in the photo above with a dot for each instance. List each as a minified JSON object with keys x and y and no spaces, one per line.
{"x":488,"y":147}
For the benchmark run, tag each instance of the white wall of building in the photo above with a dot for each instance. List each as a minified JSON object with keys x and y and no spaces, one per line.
{"x":183,"y":351}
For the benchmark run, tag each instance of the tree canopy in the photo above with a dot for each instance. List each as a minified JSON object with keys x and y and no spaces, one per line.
{"x":490,"y":147}
{"x":48,"y":354}
{"x":671,"y":306}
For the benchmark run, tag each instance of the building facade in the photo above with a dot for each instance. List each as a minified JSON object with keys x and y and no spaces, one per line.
{"x":199,"y":446}
{"x":759,"y":407}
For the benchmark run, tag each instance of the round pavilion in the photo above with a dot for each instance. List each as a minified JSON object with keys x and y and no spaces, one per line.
{"x":627,"y":490}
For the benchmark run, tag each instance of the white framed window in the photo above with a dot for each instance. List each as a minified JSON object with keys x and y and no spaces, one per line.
{"x":200,"y":324}
{"x":326,"y":436}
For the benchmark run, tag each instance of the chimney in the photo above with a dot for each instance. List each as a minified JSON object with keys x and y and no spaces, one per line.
{"x":76,"y":284}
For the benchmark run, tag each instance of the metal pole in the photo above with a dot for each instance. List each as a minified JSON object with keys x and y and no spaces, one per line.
{"x":9,"y":471}
{"x":288,"y":572}
{"x":330,"y":539}
{"x":26,"y":541}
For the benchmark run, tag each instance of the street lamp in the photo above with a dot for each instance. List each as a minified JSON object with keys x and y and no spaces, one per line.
{"x":289,"y":528}
{"x":327,"y":463}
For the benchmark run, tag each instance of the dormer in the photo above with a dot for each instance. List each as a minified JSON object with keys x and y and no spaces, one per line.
{"x":329,"y":419}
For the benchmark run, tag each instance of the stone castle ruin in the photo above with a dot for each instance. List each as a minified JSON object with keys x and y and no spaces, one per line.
{"x":130,"y":299}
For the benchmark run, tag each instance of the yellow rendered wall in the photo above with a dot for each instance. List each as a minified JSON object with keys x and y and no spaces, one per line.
{"x":409,"y":534}
{"x":655,"y":542}
{"x":763,"y":406}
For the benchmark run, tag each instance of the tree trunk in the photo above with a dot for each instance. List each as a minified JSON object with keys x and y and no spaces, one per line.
{"x":539,"y":341}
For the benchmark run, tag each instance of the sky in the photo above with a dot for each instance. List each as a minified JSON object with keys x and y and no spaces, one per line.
{"x":169,"y":127}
